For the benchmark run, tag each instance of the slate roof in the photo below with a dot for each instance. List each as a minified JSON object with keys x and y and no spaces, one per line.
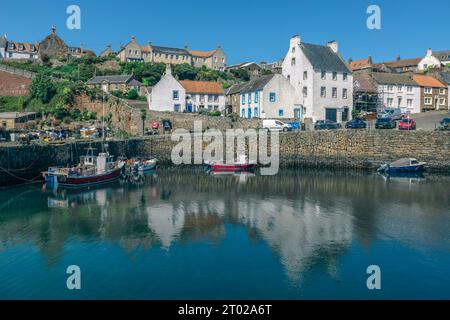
{"x":393,"y":78}
{"x":117,"y":79}
{"x":211,"y":87}
{"x":236,"y":88}
{"x":323,"y":58}
{"x":442,"y":55}
{"x":445,"y":77}
{"x":251,"y":86}
{"x":168,"y":50}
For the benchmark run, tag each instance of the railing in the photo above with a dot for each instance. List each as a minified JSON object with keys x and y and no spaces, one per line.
{"x":17,"y":71}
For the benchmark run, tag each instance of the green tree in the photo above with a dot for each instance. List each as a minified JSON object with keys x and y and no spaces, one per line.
{"x":132,"y":94}
{"x":241,"y":74}
{"x":42,"y":88}
{"x":185,"y":71}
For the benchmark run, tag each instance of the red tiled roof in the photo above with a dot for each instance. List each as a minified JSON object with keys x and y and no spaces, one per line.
{"x":26,"y":47}
{"x":360,"y":64}
{"x":403,"y":63}
{"x":428,"y":81}
{"x":203,"y":54}
{"x":202,"y":87}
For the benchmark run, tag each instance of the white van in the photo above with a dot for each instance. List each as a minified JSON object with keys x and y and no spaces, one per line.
{"x":276,"y":125}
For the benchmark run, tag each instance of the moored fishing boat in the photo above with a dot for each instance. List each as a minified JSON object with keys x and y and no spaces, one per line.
{"x":92,"y":170}
{"x":242,"y":164}
{"x":403,"y":165}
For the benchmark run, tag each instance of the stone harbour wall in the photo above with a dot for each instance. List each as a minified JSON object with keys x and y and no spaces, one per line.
{"x":342,"y":149}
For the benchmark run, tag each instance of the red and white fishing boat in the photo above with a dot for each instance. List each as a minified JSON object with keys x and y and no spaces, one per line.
{"x":243,"y":164}
{"x":92,"y":170}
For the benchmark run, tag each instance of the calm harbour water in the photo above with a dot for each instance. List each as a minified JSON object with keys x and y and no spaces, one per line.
{"x":184,"y":234}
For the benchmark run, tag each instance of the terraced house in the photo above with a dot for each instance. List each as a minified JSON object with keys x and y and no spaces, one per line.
{"x":270,"y":96}
{"x":433,"y":93}
{"x":396,"y":90}
{"x":133,"y":51}
{"x":321,"y":78}
{"x":169,"y":94}
{"x":18,"y":50}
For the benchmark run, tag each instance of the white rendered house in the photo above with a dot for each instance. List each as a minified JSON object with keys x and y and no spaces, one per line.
{"x":321,"y":78}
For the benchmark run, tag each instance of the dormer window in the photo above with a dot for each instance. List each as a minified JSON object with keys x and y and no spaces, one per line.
{"x":11,"y":46}
{"x":21,"y":47}
{"x":32,"y":48}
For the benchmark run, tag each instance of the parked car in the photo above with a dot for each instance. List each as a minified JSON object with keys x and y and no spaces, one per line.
{"x":326,"y":125}
{"x":393,"y":113}
{"x":276,"y":125}
{"x":385,"y":123}
{"x":444,"y":125}
{"x":407,"y":124}
{"x":356,"y":124}
{"x":167,"y":125}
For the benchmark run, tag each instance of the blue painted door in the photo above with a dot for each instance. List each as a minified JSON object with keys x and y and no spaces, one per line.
{"x":189,"y":108}
{"x":249,"y":113}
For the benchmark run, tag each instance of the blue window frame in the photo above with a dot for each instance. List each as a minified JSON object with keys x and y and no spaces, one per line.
{"x":243,"y":98}
{"x":249,"y":97}
{"x":273,"y":97}
{"x":243,"y":113}
{"x":255,"y":111}
{"x":256,"y":97}
{"x":280,"y":112}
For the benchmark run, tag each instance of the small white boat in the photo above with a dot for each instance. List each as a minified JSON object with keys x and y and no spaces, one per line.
{"x":145,"y":165}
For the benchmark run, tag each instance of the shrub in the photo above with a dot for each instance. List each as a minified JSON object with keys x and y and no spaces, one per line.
{"x":132,"y":94}
{"x":215,"y":114}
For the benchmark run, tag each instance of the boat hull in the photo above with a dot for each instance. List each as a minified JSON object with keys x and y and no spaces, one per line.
{"x":232,"y":167}
{"x":88,"y":181}
{"x":406,"y":169}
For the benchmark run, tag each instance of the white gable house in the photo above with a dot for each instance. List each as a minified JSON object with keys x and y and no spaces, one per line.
{"x":270,"y":96}
{"x":429,"y":61}
{"x":321,"y":78}
{"x":168,"y":94}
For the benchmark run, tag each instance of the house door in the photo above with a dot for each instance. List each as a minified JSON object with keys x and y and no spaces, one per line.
{"x":297,"y":113}
{"x":331,"y":114}
{"x":189,"y":108}
{"x":249,"y":113}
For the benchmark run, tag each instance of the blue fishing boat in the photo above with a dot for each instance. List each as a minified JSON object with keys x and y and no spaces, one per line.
{"x":403,"y":165}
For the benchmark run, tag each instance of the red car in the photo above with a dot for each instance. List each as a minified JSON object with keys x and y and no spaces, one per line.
{"x":407,"y":124}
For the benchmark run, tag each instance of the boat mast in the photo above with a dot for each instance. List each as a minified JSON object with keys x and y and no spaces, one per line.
{"x":103,"y":121}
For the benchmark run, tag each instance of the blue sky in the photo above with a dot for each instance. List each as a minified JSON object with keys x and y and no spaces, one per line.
{"x":248,"y":30}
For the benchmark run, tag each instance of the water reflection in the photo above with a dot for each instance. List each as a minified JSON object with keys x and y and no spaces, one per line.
{"x":308,"y":219}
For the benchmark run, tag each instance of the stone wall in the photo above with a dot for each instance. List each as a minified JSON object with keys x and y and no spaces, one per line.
{"x":343,"y":149}
{"x":13,"y":85}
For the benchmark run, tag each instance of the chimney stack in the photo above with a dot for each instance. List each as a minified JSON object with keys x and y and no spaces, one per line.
{"x":398,"y":57}
{"x":429,"y":52}
{"x":295,"y":40}
{"x":333,"y":46}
